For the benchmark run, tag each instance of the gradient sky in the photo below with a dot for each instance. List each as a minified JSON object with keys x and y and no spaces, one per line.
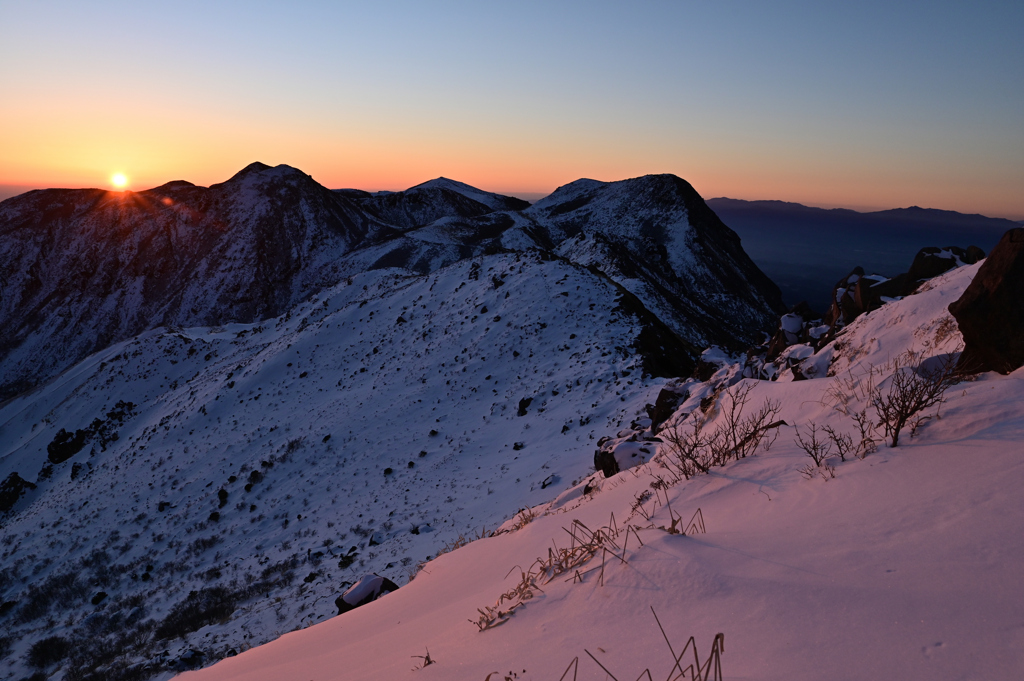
{"x":864,"y":105}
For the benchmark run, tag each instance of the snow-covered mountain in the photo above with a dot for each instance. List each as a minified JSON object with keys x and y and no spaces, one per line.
{"x":491,"y":200}
{"x":657,"y":237}
{"x":82,"y":269}
{"x":263,"y":466}
{"x":425,"y":203}
{"x":889,"y":562}
{"x":246,"y":396}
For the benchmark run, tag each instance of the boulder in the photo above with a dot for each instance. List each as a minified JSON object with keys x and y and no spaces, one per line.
{"x":605,"y":462}
{"x":844,"y":308}
{"x":871,"y":289}
{"x":990,"y":313}
{"x":65,"y":445}
{"x":619,"y":454}
{"x":792,"y":329}
{"x":368,"y":588}
{"x":665,"y":406}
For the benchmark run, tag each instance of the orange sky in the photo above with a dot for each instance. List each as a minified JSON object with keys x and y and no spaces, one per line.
{"x":865,"y":108}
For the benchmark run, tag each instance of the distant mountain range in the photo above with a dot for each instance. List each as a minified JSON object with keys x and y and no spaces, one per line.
{"x":81,"y":269}
{"x":807,"y":250}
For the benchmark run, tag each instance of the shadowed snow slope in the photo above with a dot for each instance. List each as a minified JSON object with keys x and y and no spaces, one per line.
{"x":905,"y":564}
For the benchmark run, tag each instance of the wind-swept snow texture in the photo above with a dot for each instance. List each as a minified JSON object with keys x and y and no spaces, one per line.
{"x":905,"y":565}
{"x":266,"y":466}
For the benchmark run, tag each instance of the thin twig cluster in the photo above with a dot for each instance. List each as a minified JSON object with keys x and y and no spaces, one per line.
{"x":691,"y":447}
{"x":584,"y":544}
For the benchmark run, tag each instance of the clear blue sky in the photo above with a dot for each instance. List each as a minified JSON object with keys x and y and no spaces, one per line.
{"x":869,"y":104}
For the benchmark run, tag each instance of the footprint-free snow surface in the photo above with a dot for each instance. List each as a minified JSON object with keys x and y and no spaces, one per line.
{"x":904,"y":564}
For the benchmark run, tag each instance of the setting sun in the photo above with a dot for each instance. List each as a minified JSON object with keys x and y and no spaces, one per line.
{"x":119,"y":180}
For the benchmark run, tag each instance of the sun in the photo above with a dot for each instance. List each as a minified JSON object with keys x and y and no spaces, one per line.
{"x":119,"y":180}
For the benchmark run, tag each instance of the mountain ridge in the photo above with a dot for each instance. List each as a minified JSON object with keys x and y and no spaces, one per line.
{"x":85,"y":268}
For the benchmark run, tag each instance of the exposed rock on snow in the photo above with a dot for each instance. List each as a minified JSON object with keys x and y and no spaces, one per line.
{"x":858,"y":292}
{"x":668,"y":399}
{"x":990,"y":313}
{"x":11,"y":490}
{"x":796,"y":326}
{"x":854,"y":295}
{"x":368,"y":589}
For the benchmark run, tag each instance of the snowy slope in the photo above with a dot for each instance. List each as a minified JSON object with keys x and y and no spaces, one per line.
{"x":905,"y":564}
{"x":373,"y":424}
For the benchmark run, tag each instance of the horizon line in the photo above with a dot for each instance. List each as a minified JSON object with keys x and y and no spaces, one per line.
{"x":11,"y":190}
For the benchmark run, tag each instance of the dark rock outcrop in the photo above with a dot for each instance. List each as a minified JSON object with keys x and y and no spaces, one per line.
{"x":858,"y":292}
{"x":852,"y":296}
{"x":664,"y":406}
{"x":933,"y":261}
{"x":65,"y":445}
{"x":793,"y":329}
{"x":604,"y":461}
{"x":11,"y":490}
{"x":990,"y":313}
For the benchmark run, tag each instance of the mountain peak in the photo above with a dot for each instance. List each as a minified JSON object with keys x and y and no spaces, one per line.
{"x":265,"y":172}
{"x":489,"y":199}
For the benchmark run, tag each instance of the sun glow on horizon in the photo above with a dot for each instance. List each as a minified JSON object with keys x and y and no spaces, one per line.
{"x":119,"y":180}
